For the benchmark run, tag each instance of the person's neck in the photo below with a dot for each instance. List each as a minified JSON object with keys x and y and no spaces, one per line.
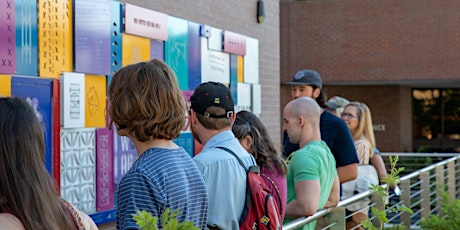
{"x":208,"y":134}
{"x":141,"y":147}
{"x":309,"y":137}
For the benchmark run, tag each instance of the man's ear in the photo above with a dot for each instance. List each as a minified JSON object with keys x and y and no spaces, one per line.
{"x":301,"y":121}
{"x":316,"y":93}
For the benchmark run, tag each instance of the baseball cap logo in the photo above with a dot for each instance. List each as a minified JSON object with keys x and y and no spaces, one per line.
{"x":298,"y":76}
{"x":216,"y":100}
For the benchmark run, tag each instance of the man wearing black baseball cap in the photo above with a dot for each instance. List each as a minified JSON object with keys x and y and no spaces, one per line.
{"x":212,"y":116}
{"x":308,"y":83}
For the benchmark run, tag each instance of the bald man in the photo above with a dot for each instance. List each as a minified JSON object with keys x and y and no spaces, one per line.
{"x":312,"y":179}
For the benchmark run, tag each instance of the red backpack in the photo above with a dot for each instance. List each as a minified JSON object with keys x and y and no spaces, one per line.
{"x":260,"y":209}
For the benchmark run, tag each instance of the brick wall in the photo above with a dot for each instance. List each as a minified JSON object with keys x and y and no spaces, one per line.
{"x":361,"y":40}
{"x":239,"y":16}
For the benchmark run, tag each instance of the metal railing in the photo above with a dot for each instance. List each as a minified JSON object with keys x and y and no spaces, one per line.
{"x":420,"y":191}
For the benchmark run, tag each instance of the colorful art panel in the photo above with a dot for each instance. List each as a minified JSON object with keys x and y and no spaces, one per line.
{"x":7,"y":37}
{"x":72,"y":100}
{"x":104,"y":170}
{"x":194,"y":55}
{"x":251,"y":61}
{"x":56,"y":136}
{"x":146,"y":23}
{"x":215,"y":66}
{"x":240,"y":71}
{"x":95,"y":101}
{"x":186,"y":141}
{"x":157,"y":49}
{"x":256,"y":99}
{"x":38,"y":93}
{"x":5,"y":83}
{"x":26,"y":37}
{"x":78,"y":168}
{"x":92,"y":30}
{"x":234,"y":77}
{"x":55,"y":23}
{"x":234,"y":43}
{"x":135,"y":49}
{"x":215,"y":39}
{"x":244,"y":97}
{"x":125,"y":154}
{"x":176,"y":49}
{"x":116,"y":9}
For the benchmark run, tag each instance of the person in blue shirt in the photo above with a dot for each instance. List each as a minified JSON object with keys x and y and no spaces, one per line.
{"x":308,"y":83}
{"x":147,"y":106}
{"x":211,"y":117}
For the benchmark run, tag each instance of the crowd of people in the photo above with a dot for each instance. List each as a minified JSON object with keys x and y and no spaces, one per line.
{"x":329,"y":153}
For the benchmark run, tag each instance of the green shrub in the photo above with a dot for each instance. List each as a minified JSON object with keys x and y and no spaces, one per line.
{"x":381,"y":215}
{"x":450,"y":220}
{"x":146,"y":221}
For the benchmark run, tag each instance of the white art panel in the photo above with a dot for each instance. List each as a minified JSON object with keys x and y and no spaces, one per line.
{"x":215,"y":65}
{"x":215,"y":40}
{"x":72,"y":100}
{"x":251,"y":61}
{"x":244,"y":97}
{"x":78,"y":168}
{"x":256,"y":99}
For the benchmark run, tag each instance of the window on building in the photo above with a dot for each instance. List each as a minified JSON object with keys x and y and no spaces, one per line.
{"x":436,"y":120}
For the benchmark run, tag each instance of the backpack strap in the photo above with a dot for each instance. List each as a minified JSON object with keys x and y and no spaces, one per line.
{"x":231,"y":152}
{"x":277,"y":190}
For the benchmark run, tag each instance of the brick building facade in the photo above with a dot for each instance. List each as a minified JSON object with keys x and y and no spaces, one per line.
{"x":377,"y":52}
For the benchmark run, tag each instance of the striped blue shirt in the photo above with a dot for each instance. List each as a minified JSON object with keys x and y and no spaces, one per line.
{"x":160,"y":179}
{"x":225,"y":178}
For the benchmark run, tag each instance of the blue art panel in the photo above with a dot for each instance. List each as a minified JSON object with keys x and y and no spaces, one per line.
{"x":157,"y":49}
{"x":26,"y":38}
{"x":176,"y":49}
{"x":234,"y":77}
{"x":92,"y":36}
{"x":116,"y":9}
{"x":194,"y":55}
{"x":186,"y":141}
{"x":38,"y":93}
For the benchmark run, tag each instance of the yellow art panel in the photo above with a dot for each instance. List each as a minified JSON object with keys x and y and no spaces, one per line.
{"x":5,"y":85}
{"x":95,"y":100}
{"x":55,"y":37}
{"x":135,"y":49}
{"x":240,"y":68}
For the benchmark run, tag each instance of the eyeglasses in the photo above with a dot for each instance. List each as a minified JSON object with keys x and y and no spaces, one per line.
{"x":348,"y":116}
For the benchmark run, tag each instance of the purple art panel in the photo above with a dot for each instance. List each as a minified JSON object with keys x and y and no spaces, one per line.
{"x":125,"y":155}
{"x":7,"y":38}
{"x":157,"y":49}
{"x":104,"y":170}
{"x":92,"y":36}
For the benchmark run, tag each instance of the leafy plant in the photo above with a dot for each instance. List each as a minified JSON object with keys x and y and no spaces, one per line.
{"x":168,"y":220}
{"x":450,"y":219}
{"x":381,"y":215}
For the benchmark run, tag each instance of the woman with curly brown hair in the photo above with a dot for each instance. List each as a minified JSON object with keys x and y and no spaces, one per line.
{"x":28,"y":195}
{"x":253,"y":136}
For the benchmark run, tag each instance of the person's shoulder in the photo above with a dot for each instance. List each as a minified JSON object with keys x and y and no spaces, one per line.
{"x":9,"y":221}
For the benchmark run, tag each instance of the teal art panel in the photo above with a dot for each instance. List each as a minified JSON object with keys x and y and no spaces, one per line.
{"x":26,"y":38}
{"x":176,"y":49}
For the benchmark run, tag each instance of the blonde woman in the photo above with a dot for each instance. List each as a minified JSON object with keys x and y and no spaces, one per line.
{"x":357,"y":117}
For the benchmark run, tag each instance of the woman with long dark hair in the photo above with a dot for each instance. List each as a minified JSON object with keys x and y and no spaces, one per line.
{"x":253,"y":136}
{"x":28,"y":195}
